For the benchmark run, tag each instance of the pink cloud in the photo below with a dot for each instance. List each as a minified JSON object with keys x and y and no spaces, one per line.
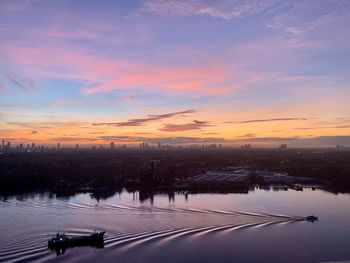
{"x":102,"y":74}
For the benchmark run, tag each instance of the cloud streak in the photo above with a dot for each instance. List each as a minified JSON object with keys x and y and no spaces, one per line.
{"x":225,"y":9}
{"x":269,"y":120}
{"x":21,"y":82}
{"x":142,"y":121}
{"x":15,"y":5}
{"x":247,"y":135}
{"x":195,"y":125}
{"x":346,"y":126}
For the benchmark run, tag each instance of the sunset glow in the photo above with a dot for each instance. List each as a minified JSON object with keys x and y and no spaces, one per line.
{"x":263,"y":72}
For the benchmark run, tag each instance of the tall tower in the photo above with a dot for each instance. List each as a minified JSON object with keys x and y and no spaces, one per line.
{"x":3,"y":143}
{"x":58,"y":145}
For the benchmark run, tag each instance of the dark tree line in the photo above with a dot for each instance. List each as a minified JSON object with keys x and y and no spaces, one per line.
{"x":36,"y":171}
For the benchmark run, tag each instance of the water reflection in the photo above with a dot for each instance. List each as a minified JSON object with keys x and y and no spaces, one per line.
{"x":149,"y":193}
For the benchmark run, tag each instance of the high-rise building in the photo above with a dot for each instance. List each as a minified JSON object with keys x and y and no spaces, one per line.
{"x":77,"y":146}
{"x":283,"y":146}
{"x":112,"y":145}
{"x":58,"y":145}
{"x":3,"y":143}
{"x":339,"y":146}
{"x":246,"y":146}
{"x":33,"y":145}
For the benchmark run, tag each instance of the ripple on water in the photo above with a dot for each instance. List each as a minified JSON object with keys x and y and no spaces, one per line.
{"x":27,"y":244}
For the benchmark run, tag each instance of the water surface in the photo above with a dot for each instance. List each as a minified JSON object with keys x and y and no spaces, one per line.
{"x":258,"y":226}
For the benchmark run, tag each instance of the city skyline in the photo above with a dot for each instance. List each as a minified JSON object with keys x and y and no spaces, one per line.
{"x":265,"y":73}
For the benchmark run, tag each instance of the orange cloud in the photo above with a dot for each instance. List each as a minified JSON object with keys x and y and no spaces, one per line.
{"x":195,"y":125}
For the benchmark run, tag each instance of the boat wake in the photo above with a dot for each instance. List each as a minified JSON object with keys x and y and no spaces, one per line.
{"x":175,"y":223}
{"x":58,"y":204}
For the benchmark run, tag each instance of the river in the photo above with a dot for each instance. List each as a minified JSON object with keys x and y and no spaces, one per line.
{"x":259,"y":226}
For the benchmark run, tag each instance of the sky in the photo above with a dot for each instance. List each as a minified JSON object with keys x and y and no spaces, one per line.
{"x":232,"y":72}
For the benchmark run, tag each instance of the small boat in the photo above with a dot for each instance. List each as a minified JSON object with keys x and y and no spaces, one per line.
{"x":61,"y":242}
{"x":311,"y":218}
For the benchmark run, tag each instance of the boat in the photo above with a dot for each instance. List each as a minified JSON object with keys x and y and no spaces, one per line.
{"x":61,"y":242}
{"x":311,"y":218}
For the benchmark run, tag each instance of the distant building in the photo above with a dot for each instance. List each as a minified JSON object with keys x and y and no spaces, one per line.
{"x":274,"y":177}
{"x":77,"y":146}
{"x":283,"y":146}
{"x":58,"y":146}
{"x":112,"y":145}
{"x":339,"y":146}
{"x":235,"y":177}
{"x":144,"y":145}
{"x":246,"y":146}
{"x":241,"y":176}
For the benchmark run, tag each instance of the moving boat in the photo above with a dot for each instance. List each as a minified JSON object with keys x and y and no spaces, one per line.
{"x":61,"y":242}
{"x":311,"y":218}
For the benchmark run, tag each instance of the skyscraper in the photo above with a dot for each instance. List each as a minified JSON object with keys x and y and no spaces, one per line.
{"x":58,"y":145}
{"x":112,"y":145}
